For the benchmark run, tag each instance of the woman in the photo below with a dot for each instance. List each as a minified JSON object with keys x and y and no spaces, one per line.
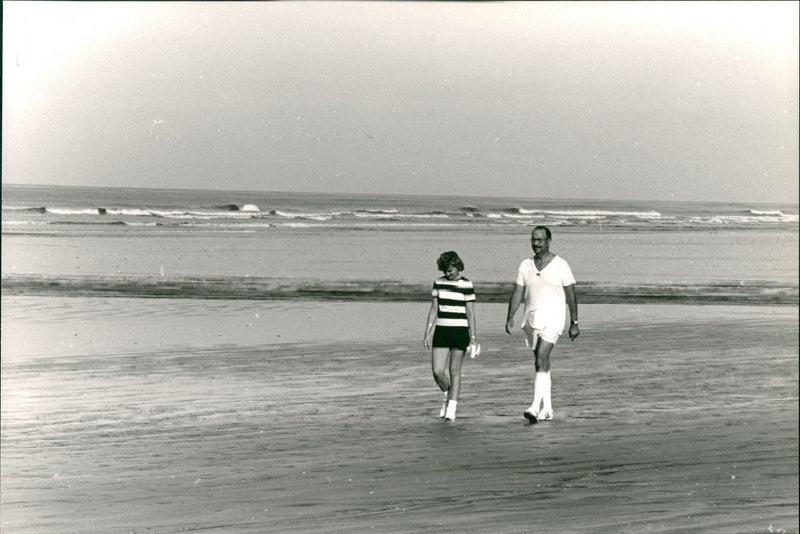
{"x":450,"y":328}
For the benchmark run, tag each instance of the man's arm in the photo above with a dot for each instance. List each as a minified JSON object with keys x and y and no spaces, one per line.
{"x":572,"y":304}
{"x":513,"y":304}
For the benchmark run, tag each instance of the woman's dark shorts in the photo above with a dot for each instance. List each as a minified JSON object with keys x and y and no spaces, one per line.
{"x":451,"y":337}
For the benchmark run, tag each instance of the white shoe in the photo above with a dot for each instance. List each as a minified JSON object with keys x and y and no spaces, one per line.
{"x":443,"y":411}
{"x":451,"y":411}
{"x":531,"y":415}
{"x":545,"y":416}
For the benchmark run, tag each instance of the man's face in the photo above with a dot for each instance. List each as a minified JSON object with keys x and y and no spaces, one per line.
{"x":539,"y":242}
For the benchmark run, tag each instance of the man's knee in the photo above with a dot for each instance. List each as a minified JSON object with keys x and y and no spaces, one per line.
{"x":543,"y":350}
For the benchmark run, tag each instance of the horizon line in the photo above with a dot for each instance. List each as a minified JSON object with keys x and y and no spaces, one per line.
{"x":413,"y":195}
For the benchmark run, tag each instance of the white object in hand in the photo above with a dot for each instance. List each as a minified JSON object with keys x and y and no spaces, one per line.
{"x":473,"y":350}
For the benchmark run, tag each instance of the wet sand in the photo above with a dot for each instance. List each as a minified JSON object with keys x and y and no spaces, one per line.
{"x":161,"y":415}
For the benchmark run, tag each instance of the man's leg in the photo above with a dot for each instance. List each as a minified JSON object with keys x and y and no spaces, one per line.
{"x":543,"y":349}
{"x":543,"y":369}
{"x":540,"y":388}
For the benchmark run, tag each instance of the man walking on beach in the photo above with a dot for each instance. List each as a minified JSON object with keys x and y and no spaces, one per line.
{"x":548,"y":286}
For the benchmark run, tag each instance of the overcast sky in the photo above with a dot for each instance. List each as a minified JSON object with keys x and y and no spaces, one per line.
{"x":594,"y":100}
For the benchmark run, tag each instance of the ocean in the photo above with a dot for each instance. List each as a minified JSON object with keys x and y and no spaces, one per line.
{"x":243,"y":244}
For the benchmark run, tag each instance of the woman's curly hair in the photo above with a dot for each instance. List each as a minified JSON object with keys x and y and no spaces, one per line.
{"x":446,"y":259}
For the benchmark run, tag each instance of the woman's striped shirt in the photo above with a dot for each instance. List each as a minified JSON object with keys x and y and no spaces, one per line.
{"x":452,"y":297}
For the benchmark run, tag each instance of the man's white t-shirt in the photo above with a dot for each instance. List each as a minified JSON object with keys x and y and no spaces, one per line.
{"x":545,"y":302}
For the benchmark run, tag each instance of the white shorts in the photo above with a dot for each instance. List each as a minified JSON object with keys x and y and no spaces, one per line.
{"x":532,"y":335}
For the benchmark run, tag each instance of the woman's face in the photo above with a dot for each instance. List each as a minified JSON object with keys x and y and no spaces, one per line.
{"x":451,"y":273}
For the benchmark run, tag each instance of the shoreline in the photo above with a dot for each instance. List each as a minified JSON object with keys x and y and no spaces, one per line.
{"x":260,"y":288}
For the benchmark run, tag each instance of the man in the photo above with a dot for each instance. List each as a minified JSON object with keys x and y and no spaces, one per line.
{"x":547,"y":283}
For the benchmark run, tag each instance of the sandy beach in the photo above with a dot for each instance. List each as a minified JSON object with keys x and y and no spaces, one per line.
{"x":238,"y":416}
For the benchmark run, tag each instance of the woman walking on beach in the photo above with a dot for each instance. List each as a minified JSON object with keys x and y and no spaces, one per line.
{"x":450,"y":328}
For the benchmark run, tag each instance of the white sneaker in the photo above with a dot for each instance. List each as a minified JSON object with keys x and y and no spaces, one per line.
{"x":545,"y":416}
{"x":451,"y":411}
{"x":531,"y":415}
{"x":443,"y":411}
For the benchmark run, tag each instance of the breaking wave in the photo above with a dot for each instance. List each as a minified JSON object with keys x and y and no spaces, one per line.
{"x":298,"y":214}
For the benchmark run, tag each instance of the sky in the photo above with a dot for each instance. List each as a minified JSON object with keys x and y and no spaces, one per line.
{"x":585,"y":100}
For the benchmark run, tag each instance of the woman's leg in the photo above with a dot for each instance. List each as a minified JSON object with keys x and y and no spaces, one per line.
{"x":456,"y":359}
{"x":439,"y":357}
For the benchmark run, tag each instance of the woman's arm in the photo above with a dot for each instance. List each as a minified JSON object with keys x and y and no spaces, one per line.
{"x":473,"y":332}
{"x":430,"y":323}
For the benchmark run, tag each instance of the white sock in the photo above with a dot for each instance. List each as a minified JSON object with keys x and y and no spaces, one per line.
{"x":547,"y":405}
{"x":443,"y":410}
{"x":451,"y":409}
{"x":539,"y":385}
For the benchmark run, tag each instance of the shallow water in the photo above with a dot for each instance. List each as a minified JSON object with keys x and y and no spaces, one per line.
{"x":660,"y":257}
{"x":52,"y":231}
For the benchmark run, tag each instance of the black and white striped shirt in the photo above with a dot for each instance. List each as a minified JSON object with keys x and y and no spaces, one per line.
{"x":452,"y":297}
